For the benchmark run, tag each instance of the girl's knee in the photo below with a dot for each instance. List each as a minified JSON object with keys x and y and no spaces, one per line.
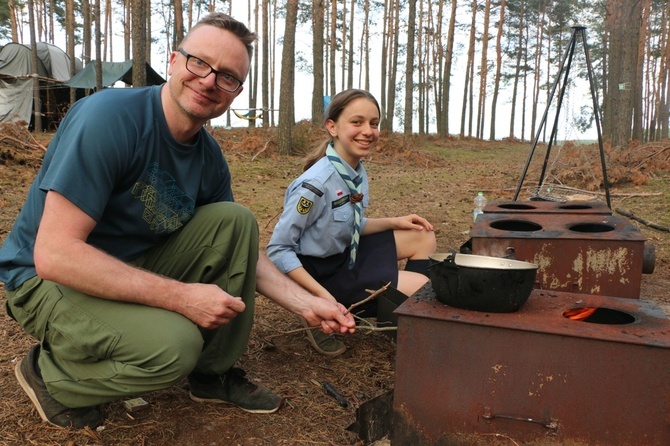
{"x":416,"y":244}
{"x":430,"y":241}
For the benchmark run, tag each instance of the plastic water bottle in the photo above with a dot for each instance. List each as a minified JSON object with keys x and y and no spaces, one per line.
{"x":480,"y":202}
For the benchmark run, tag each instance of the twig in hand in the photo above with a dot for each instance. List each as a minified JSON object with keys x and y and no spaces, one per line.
{"x":373,"y":295}
{"x":369,"y":298}
{"x":297,"y":330}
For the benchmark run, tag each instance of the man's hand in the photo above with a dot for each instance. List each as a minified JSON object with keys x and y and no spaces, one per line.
{"x":333,"y":318}
{"x":278,"y":287}
{"x":209,"y":306}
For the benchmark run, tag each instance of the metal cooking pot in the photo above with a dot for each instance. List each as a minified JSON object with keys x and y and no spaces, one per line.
{"x":481,"y":283}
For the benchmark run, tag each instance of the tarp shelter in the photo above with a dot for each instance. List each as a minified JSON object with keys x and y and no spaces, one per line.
{"x":111,"y":73}
{"x":16,"y":80}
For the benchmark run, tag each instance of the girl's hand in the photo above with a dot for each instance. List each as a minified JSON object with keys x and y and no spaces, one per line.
{"x":413,"y":221}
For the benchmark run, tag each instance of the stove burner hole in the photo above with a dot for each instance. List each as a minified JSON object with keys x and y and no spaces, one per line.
{"x":599,"y":315}
{"x":518,"y":206}
{"x":592,"y":227}
{"x":516,"y":225}
{"x":575,"y":207}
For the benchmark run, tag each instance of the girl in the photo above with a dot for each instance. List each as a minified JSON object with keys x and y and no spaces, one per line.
{"x":322,"y":239}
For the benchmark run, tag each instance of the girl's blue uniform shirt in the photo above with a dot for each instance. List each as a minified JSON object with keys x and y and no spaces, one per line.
{"x":318,"y":216}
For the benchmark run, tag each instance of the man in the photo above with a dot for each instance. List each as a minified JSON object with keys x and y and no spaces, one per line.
{"x":130,"y":263}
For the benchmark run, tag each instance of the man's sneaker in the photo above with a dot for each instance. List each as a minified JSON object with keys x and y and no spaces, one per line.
{"x":324,"y":343}
{"x":49,"y":409}
{"x":233,"y":388}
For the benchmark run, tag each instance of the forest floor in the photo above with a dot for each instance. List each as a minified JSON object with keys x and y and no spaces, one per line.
{"x":425,"y":175}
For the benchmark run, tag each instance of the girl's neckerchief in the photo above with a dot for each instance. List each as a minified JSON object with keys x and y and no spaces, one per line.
{"x":354,"y":185}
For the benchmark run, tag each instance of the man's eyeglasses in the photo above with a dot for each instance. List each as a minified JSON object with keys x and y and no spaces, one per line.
{"x":200,"y":68}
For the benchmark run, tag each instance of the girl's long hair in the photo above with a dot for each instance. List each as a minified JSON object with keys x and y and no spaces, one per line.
{"x":337,"y":105}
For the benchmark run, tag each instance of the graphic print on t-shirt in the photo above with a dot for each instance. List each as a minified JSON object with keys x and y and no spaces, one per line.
{"x":166,"y":207}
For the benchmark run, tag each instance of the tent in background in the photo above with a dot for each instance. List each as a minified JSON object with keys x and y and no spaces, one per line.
{"x":111,"y":73}
{"x":53,"y":70}
{"x":16,"y":80}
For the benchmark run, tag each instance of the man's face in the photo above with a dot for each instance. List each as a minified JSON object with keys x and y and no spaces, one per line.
{"x":199,"y":98}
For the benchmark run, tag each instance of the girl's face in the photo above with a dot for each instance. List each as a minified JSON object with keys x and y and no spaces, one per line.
{"x":356,"y":130}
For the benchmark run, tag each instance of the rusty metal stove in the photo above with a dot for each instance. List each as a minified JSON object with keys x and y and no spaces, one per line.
{"x":578,"y":247}
{"x":533,"y":376}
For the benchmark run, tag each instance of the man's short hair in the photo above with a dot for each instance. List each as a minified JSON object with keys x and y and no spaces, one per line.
{"x":224,"y":21}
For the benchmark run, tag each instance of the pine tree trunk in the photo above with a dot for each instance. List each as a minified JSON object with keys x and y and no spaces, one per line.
{"x":318,"y":111}
{"x":447,"y":67}
{"x":481,"y":105}
{"x":37,"y":103}
{"x":108,"y":30}
{"x":178,"y":34}
{"x":127,"y":29}
{"x":469,"y":70}
{"x":366,"y":45}
{"x":496,"y":84}
{"x":265,"y":64}
{"x":253,"y":73}
{"x":386,"y":27}
{"x":536,"y":70}
{"x":86,"y":29}
{"x":393,"y":70}
{"x":139,"y":39}
{"x":13,"y":22}
{"x":639,"y":88}
{"x":423,"y":52}
{"x":286,"y":102}
{"x":147,"y":34}
{"x":98,"y":44}
{"x":409,"y":68}
{"x":50,"y":18}
{"x":392,"y":64}
{"x":624,"y":28}
{"x":525,"y":85}
{"x":350,"y":58}
{"x":517,"y":70}
{"x":437,"y":54}
{"x":69,"y":31}
{"x":662,"y":112}
{"x":343,"y":58}
{"x":332,"y":46}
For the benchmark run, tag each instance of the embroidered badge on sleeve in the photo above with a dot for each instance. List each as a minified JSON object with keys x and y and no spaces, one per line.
{"x":312,"y":189}
{"x":304,"y":205}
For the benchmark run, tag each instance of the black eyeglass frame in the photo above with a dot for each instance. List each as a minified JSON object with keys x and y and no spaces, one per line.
{"x":211,"y":70}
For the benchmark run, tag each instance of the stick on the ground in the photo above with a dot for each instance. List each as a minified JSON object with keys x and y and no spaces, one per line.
{"x":642,"y":220}
{"x":261,"y":151}
{"x":34,"y":145}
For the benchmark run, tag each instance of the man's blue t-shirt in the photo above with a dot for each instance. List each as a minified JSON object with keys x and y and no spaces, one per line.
{"x":114,"y":157}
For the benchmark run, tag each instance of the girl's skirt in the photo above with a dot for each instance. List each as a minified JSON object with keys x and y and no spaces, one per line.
{"x":376,"y":265}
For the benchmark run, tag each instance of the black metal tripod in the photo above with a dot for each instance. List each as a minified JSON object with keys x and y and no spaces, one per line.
{"x":581,"y":30}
